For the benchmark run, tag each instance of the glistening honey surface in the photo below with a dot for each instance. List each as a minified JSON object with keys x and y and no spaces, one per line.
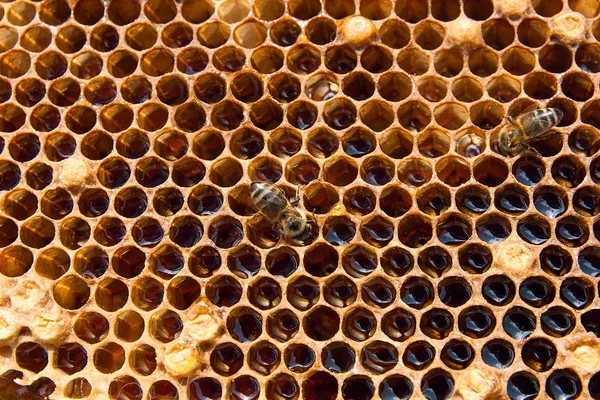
{"x":174,"y":108}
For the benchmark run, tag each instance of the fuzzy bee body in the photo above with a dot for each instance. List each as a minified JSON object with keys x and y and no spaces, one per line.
{"x":275,"y":206}
{"x":529,"y":126}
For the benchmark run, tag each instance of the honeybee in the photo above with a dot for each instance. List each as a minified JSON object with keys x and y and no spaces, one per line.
{"x":274,"y":205}
{"x":527,"y":127}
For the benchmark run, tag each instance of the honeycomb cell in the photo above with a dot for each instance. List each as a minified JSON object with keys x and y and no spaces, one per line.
{"x":109,"y":231}
{"x":483,"y":62}
{"x":52,"y":263}
{"x":563,"y":383}
{"x":147,"y":293}
{"x":379,"y":357}
{"x":511,"y":199}
{"x":359,"y":324}
{"x":522,"y":385}
{"x":434,"y":261}
{"x":91,"y":262}
{"x":498,"y":353}
{"x":31,"y":356}
{"x":498,"y":290}
{"x":111,"y":294}
{"x":267,"y":59}
{"x":457,"y":354}
{"x":109,"y":358}
{"x":70,"y":292}
{"x":360,"y":86}
{"x":519,"y":323}
{"x":453,"y":171}
{"x":437,"y":323}
{"x":205,"y":389}
{"x":475,"y":258}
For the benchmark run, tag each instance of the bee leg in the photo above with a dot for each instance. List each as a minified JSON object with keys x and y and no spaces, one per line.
{"x":312,"y":215}
{"x":510,"y":120}
{"x":530,"y":149}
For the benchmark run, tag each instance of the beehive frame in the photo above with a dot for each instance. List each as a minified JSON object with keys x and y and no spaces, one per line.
{"x":133,"y":264}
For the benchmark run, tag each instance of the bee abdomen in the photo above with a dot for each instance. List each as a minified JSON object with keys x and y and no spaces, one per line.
{"x":269,"y":200}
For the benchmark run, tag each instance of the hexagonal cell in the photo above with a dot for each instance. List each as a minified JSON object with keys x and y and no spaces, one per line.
{"x":394,"y":33}
{"x":483,"y":62}
{"x":413,"y":61}
{"x":412,"y":10}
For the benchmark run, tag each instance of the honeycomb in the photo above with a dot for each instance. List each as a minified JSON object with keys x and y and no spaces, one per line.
{"x":134,"y":265}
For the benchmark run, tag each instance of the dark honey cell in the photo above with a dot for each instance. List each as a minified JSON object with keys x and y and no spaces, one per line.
{"x":163,"y":390}
{"x":142,"y":359}
{"x":568,"y":171}
{"x":522,"y":386}
{"x":113,"y":173}
{"x":165,"y":326}
{"x":358,"y":387}
{"x":577,"y":293}
{"x":111,"y":294}
{"x":186,"y":231}
{"x":91,"y":262}
{"x":282,"y":262}
{"x":109,"y":231}
{"x":359,"y":261}
{"x":555,"y":260}
{"x":454,"y":291}
{"x":359,"y":142}
{"x":594,"y":386}
{"x":38,"y":176}
{"x":147,"y":232}
{"x":208,"y":145}
{"x":55,"y":204}
{"x":204,"y":261}
{"x":377,"y":231}
{"x":398,"y":324}
{"x":166,"y":261}
{"x":359,"y":200}
{"x":511,"y":199}
{"x":434,"y":261}
{"x":537,"y":291}
{"x":557,"y":321}
{"x":378,"y":292}
{"x":338,"y":357}
{"x":147,"y":293}
{"x":320,"y":385}
{"x":414,"y":231}
{"x":124,"y":386}
{"x":379,"y":357}
{"x":322,"y":143}
{"x":437,"y":384}
{"x":265,"y":293}
{"x":433,"y":200}
{"x":572,"y":231}
{"x":244,"y":262}
{"x":31,"y":356}
{"x":244,"y":387}
{"x":224,"y":291}
{"x":339,"y":231}
{"x":494,"y":228}
{"x":283,"y":387}
{"x":70,"y":358}
{"x":417,"y":293}
{"x":282,"y":325}
{"x":418,"y":355}
{"x":589,"y":321}
{"x":264,"y":357}
{"x":589,"y":261}
{"x":321,"y":260}
{"x":340,"y":291}
{"x":183,"y":292}
{"x":551,"y":201}
{"x":93,"y":202}
{"x":586,"y":201}
{"x":226,"y":359}
{"x":437,"y":323}
{"x":303,"y":293}
{"x":359,"y":324}
{"x":539,"y":354}
{"x":299,"y":357}
{"x":321,"y":323}
{"x":457,"y":354}
{"x":563,"y":384}
{"x":528,"y":170}
{"x":519,"y":323}
{"x":473,"y":200}
{"x":498,"y":353}
{"x":453,"y":229}
{"x":225,"y":232}
{"x":244,"y":324}
{"x":24,"y":147}
{"x":396,"y":387}
{"x":21,"y":204}
{"x":129,"y":326}
{"x":397,"y":262}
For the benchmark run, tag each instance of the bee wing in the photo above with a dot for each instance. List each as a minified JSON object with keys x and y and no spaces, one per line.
{"x":525,"y":113}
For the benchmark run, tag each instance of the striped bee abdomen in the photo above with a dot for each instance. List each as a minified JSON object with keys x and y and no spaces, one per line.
{"x":270,"y":201}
